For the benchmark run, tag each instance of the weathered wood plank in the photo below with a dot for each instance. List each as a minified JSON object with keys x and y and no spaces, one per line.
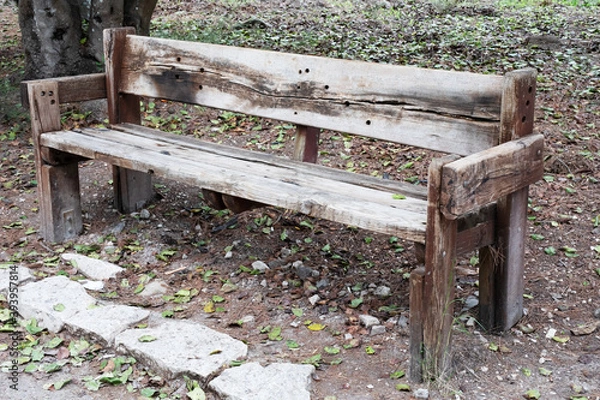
{"x":132,"y":189}
{"x":502,"y":266}
{"x":409,"y":190}
{"x":438,"y":282}
{"x":306,"y":146}
{"x":58,"y":186}
{"x":393,"y":103}
{"x":73,"y":88}
{"x":319,"y":196}
{"x":415,"y":325}
{"x":484,"y":177}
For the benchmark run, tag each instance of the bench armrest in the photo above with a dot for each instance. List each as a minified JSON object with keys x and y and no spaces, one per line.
{"x":486,"y":176}
{"x":72,"y":88}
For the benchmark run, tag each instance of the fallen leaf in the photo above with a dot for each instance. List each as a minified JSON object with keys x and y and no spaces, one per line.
{"x":316,"y":327}
{"x":532,"y":394}
{"x":209,"y":307}
{"x":545,"y":372}
{"x":561,"y":339}
{"x":586,"y":329}
{"x":403,"y":387}
{"x":146,"y":338}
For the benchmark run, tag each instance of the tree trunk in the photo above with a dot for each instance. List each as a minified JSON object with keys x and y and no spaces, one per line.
{"x":64,"y":37}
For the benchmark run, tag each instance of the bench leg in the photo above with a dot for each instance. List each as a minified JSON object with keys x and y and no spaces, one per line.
{"x":60,"y":207}
{"x":132,"y":189}
{"x":502,"y":266}
{"x":415,"y":323}
{"x":438,"y":284}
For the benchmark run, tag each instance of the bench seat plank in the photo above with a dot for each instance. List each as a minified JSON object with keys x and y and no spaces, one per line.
{"x":356,"y":200}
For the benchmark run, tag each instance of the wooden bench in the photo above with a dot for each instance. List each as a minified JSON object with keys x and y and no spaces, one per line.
{"x":476,"y":197}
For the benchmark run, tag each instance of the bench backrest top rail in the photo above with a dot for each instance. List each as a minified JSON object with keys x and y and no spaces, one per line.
{"x":453,"y":112}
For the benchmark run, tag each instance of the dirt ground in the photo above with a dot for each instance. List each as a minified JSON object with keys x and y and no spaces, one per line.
{"x":325,"y":273}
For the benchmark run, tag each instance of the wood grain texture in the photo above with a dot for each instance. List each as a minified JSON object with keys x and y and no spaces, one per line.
{"x":356,"y":200}
{"x":438,"y":282}
{"x":502,"y":265}
{"x":484,"y":177}
{"x":415,"y":324}
{"x":132,"y":189}
{"x":393,"y":103}
{"x":306,"y":145}
{"x":58,"y":186}
{"x":73,"y":88}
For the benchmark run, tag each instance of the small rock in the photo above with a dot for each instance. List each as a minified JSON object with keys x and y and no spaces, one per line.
{"x":551,"y":333}
{"x":94,"y":286}
{"x":314,"y":299}
{"x":470,"y":302}
{"x":248,"y":319}
{"x":368,"y":320}
{"x":154,"y":289}
{"x":285,"y":284}
{"x":383,"y":291}
{"x":322,"y":284}
{"x":597,"y":313}
{"x":144,"y":214}
{"x":264,"y":283}
{"x":229,"y":254}
{"x":118,"y":228}
{"x":421,"y":394}
{"x":260,"y":266}
{"x":471,"y":322}
{"x":304,"y":272}
{"x":377,"y":330}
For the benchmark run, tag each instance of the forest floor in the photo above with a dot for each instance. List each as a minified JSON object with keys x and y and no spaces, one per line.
{"x":206,"y":256}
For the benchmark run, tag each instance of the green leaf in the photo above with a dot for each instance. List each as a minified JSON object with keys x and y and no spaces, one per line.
{"x":332,"y":350}
{"x":314,"y":360}
{"x":92,"y":384}
{"x":292,"y":344}
{"x":298,"y":312}
{"x":561,"y":339}
{"x":53,"y":367}
{"x":77,"y":347}
{"x":139,"y":288}
{"x":493,"y":346}
{"x":536,"y":236}
{"x":53,"y":343}
{"x":32,"y":327}
{"x":167,"y":314}
{"x":275,"y":334}
{"x":370,"y":350}
{"x":59,"y":307}
{"x":545,"y":372}
{"x":148,"y":392}
{"x":30,"y":368}
{"x":398,"y":197}
{"x":196,"y":394}
{"x":403,"y":387}
{"x":218,"y":299}
{"x":146,"y":338}
{"x":526,"y":371}
{"x":356,"y":302}
{"x":532,"y":394}
{"x":551,"y":251}
{"x":397,"y":374}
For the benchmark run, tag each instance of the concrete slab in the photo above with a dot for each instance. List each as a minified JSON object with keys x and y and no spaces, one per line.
{"x":92,"y":268}
{"x":38,"y":300}
{"x":275,"y":382}
{"x":23,"y":276}
{"x":182,"y":348}
{"x":105,"y":322}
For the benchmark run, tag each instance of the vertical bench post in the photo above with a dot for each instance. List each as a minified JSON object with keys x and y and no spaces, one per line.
{"x":502,"y":265}
{"x":132,"y":189}
{"x":438,"y":279}
{"x":58,"y":179}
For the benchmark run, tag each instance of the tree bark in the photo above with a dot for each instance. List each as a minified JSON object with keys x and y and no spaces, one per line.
{"x":64,"y":37}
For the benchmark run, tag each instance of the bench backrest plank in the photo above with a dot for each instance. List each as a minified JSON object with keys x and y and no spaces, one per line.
{"x":453,"y":112}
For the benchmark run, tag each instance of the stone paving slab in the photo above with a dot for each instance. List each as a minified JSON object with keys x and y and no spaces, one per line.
{"x":92,"y":268}
{"x":23,"y":274}
{"x":103,"y":323}
{"x":182,"y":348}
{"x":275,"y":382}
{"x":39,"y":299}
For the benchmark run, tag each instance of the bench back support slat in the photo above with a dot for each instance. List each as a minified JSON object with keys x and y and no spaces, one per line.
{"x":455,"y":112}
